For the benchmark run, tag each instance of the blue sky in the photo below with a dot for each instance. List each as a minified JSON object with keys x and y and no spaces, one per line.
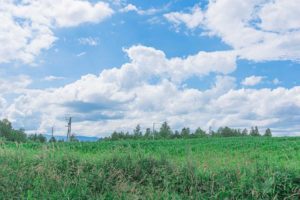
{"x":114,"y":64}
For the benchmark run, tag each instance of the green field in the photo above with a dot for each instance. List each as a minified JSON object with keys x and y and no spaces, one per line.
{"x":208,"y":168}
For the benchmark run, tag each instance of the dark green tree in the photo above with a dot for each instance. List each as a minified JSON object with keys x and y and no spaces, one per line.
{"x":226,"y":132}
{"x":10,"y":134}
{"x":137,"y":132}
{"x":148,"y":133}
{"x":73,"y":138}
{"x":185,"y":132}
{"x":37,"y":138}
{"x":115,"y":136}
{"x":52,"y":139}
{"x":165,"y":131}
{"x":268,"y":133}
{"x":200,"y":133}
{"x":254,"y":131}
{"x":244,"y":132}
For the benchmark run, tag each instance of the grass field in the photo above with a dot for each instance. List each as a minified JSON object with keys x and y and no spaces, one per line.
{"x":208,"y":168}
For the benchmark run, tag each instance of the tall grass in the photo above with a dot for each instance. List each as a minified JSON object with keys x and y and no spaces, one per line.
{"x":212,"y":168}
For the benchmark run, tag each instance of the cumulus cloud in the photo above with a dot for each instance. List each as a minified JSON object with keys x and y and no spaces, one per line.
{"x":176,"y":69}
{"x":149,"y":89}
{"x":17,"y":84}
{"x":252,"y":80}
{"x":27,"y":26}
{"x":257,"y":30}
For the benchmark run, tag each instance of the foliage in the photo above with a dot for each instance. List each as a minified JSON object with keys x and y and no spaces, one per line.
{"x":52,"y":139}
{"x":10,"y":134}
{"x":165,"y":132}
{"x":37,"y":138}
{"x":268,"y":133}
{"x":205,"y":168}
{"x":254,"y":131}
{"x":73,"y":138}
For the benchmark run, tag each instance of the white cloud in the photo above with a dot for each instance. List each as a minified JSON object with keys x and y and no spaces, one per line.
{"x":280,"y":16}
{"x":81,"y":54}
{"x":120,"y":98}
{"x":177,"y":69}
{"x":252,"y":80}
{"x":129,"y":7}
{"x":27,"y":26}
{"x":2,"y":104}
{"x":258,"y":30}
{"x":89,"y":41}
{"x":191,"y":20}
{"x":276,"y":81}
{"x":17,"y":84}
{"x":133,"y":8}
{"x":53,"y":78}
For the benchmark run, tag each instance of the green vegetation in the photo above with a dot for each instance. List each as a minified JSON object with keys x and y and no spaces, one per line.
{"x":165,"y":132}
{"x":9,"y":134}
{"x":200,"y":168}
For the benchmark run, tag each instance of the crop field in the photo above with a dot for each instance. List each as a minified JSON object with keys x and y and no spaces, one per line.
{"x":208,"y":168}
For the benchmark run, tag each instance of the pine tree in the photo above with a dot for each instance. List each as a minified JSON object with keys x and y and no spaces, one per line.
{"x":137,"y":132}
{"x":268,"y":133}
{"x":165,"y":130}
{"x":245,"y":132}
{"x":254,"y":131}
{"x":147,"y":133}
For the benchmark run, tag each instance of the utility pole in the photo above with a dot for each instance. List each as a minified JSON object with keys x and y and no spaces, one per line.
{"x":69,"y":120}
{"x":52,"y":131}
{"x":153,"y":130}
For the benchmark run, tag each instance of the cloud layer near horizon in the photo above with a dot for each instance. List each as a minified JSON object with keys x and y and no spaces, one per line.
{"x":137,"y":92}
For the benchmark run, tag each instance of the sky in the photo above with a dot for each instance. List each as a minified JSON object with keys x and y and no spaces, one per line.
{"x":117,"y":63}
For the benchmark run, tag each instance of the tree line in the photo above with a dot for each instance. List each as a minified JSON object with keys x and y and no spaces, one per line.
{"x":8,"y":133}
{"x":165,"y":132}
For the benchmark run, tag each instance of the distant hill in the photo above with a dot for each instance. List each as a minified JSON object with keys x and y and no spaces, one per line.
{"x":80,"y":138}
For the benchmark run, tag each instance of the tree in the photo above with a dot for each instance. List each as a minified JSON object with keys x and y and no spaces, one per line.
{"x":11,"y":134}
{"x":268,"y":133}
{"x":226,"y":132}
{"x":176,"y":134}
{"x":5,"y":129}
{"x":254,"y":131}
{"x":7,"y":123}
{"x":37,"y":138}
{"x":18,"y":135}
{"x":137,"y":132}
{"x":200,"y":133}
{"x":185,"y":132}
{"x":244,"y":132}
{"x":148,"y":133}
{"x":52,"y":139}
{"x":165,"y":130}
{"x":114,"y":136}
{"x":73,"y":138}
